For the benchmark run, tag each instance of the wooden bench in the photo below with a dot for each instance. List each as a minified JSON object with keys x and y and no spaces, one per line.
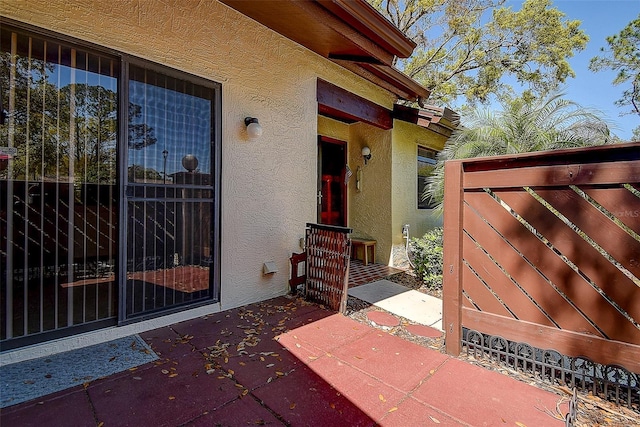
{"x":363,"y":246}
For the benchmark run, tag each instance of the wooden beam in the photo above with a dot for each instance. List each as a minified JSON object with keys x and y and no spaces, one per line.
{"x":452,"y":264}
{"x":341,"y":104}
{"x":600,"y":350}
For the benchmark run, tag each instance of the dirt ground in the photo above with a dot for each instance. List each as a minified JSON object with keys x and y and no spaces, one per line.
{"x":591,"y":410}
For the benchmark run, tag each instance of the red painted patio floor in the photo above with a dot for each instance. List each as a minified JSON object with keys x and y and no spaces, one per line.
{"x":287,"y":362}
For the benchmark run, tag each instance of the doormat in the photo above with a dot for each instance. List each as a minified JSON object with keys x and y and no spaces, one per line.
{"x":24,"y":381}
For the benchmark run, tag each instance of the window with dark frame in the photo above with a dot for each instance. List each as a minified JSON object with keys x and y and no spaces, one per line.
{"x":426,"y":163}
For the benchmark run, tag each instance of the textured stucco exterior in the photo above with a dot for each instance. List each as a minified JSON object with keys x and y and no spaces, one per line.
{"x":268,"y":185}
{"x":333,"y":129}
{"x":406,"y":138}
{"x":370,"y":205}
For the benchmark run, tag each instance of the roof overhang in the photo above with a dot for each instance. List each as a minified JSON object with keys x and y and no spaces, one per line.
{"x":440,"y":120}
{"x":351,"y":33}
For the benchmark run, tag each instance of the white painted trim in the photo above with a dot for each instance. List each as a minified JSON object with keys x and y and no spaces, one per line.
{"x":102,"y":335}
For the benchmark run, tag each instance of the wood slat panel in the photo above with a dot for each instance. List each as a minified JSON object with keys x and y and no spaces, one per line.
{"x":579,"y":291}
{"x":566,"y":342}
{"x":614,"y":240}
{"x":622,"y":203}
{"x":563,"y":313}
{"x":608,"y":278}
{"x":480,"y":295}
{"x":466,"y":303}
{"x":556,"y":175}
{"x":511,"y":295}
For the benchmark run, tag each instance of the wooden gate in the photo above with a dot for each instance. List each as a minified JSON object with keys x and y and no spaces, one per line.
{"x":327,"y":266}
{"x":544,"y":248}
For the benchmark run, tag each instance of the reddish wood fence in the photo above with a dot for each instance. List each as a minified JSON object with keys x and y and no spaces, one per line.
{"x":544,"y":248}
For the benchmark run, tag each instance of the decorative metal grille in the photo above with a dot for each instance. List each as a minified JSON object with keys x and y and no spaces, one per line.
{"x":610,"y":382}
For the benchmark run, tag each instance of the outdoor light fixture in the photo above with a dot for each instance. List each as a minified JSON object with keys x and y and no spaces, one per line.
{"x":254,"y":130}
{"x":366,"y":153}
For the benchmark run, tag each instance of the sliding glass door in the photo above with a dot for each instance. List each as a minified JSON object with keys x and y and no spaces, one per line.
{"x":170,"y":192}
{"x":59,"y":202}
{"x":109,"y":178}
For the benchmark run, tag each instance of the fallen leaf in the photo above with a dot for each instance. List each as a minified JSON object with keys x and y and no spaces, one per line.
{"x":245,"y":392}
{"x":332,"y":405}
{"x":164,"y":371}
{"x":278,"y":373}
{"x":519,"y":424}
{"x":231,"y":371}
{"x":395,"y":408}
{"x":435,"y":420}
{"x":381,"y":397}
{"x":312,"y":357}
{"x":298,"y":345}
{"x":241,"y":363}
{"x":101,"y":423}
{"x":172,"y":397}
{"x":292,"y":406}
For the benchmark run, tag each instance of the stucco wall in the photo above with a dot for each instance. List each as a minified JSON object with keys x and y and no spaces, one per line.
{"x":268,"y":185}
{"x":333,"y":129}
{"x":370,"y":205}
{"x":406,"y":138}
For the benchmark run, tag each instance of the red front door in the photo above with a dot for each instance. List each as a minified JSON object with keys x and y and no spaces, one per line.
{"x":332,"y":191}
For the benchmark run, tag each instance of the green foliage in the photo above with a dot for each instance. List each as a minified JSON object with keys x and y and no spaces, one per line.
{"x":427,"y":258}
{"x":521,"y":127}
{"x":60,"y":130}
{"x":623,"y":56}
{"x":466,"y":48}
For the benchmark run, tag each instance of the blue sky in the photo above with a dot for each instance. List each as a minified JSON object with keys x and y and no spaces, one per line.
{"x":600,"y":18}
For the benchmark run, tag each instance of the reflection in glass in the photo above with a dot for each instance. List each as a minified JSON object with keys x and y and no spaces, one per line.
{"x":58,"y":203}
{"x":169,"y":119}
{"x":169,"y":192}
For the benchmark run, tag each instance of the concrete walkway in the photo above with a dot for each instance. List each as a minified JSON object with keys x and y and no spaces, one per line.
{"x":399,"y":300}
{"x":287,"y":362}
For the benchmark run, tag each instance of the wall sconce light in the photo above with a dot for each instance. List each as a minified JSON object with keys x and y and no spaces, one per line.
{"x":254,"y":130}
{"x":366,"y":153}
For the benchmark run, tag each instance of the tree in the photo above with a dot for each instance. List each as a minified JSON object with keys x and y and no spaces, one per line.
{"x":623,"y":56}
{"x":522,"y":127}
{"x":465,"y":48}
